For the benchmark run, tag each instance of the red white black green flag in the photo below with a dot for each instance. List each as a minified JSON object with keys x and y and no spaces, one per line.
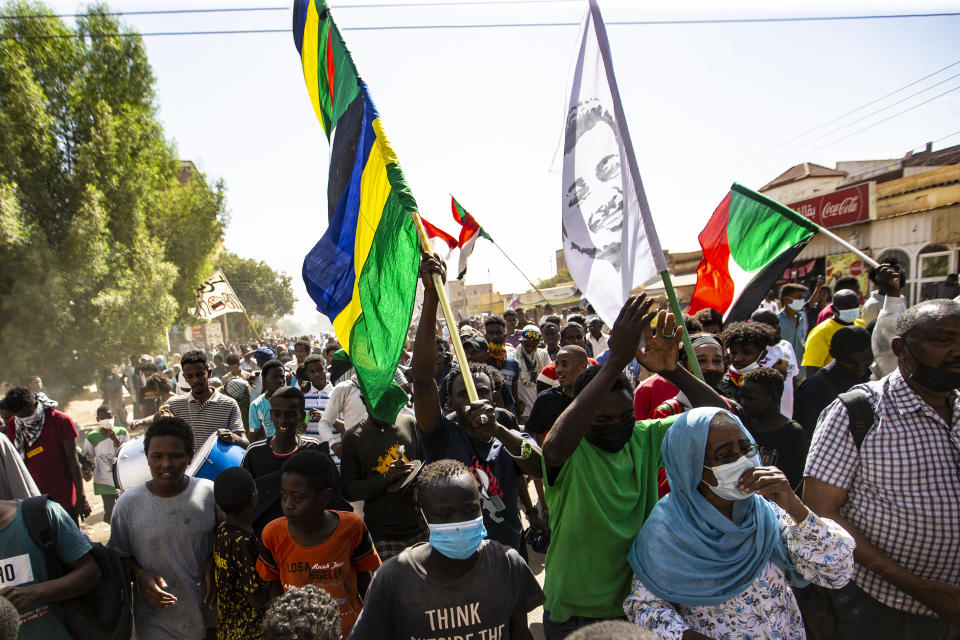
{"x":747,"y":244}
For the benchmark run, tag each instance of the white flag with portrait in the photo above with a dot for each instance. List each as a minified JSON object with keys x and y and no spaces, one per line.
{"x":609,"y":240}
{"x":215,"y":297}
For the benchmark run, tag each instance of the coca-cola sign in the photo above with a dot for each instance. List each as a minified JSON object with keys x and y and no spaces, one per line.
{"x":847,"y":206}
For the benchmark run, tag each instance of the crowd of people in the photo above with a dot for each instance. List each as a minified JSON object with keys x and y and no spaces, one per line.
{"x":804,"y":485}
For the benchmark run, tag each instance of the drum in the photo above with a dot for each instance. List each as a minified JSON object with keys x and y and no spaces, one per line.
{"x":213,"y":457}
{"x":131,"y":467}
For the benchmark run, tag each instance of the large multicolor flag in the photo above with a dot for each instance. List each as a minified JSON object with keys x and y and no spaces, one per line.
{"x":363,"y":272}
{"x":609,"y":240}
{"x":469,"y":232}
{"x":747,"y":244}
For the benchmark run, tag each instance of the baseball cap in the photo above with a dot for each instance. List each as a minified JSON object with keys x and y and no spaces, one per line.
{"x":530,"y":332}
{"x":263,"y":354}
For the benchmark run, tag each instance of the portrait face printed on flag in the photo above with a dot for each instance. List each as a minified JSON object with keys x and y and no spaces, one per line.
{"x":593,"y":189}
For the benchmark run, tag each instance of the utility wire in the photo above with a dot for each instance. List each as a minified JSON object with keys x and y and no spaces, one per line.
{"x":492,"y":25}
{"x":748,"y":160}
{"x":457,"y":3}
{"x":338,"y":8}
{"x":748,"y":166}
{"x":869,"y":126}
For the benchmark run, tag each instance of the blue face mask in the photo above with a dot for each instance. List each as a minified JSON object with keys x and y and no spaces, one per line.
{"x":848,"y":315}
{"x":457,"y":540}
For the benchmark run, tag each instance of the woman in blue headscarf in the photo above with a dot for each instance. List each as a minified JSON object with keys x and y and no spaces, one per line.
{"x":717,"y":556}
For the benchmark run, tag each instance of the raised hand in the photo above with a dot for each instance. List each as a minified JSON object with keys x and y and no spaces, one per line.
{"x":429,"y":265}
{"x":663,"y":347}
{"x":629,"y":327}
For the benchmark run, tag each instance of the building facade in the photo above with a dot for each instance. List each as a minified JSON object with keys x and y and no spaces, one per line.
{"x":907,"y":209}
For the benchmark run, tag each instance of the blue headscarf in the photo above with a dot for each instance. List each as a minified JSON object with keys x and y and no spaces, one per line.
{"x":688,"y":552}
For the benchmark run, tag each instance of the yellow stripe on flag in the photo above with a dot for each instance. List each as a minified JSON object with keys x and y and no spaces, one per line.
{"x":308,"y":57}
{"x":374,"y":190}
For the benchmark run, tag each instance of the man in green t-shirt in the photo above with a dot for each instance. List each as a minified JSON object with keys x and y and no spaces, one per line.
{"x":600,"y":472}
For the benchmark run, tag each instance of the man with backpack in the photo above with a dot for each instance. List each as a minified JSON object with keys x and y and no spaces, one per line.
{"x":883,"y":464}
{"x":26,"y":582}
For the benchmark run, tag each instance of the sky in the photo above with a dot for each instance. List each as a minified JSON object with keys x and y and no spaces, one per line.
{"x":477,"y":112}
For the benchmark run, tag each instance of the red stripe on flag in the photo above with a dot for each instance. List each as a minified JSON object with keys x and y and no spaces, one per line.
{"x":470,"y":226}
{"x":331,"y":67}
{"x":436,"y":232}
{"x":714,"y":283}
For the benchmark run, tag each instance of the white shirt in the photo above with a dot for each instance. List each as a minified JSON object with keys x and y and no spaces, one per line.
{"x":599,"y":345}
{"x":345,"y":404}
{"x":770,"y":305}
{"x":527,"y":388}
{"x":783,"y":350}
{"x":884,"y":360}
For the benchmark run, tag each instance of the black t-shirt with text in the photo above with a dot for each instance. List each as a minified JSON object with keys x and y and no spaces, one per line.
{"x":405,"y":603}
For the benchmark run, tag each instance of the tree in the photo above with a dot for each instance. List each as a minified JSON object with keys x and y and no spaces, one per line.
{"x":100,"y":243}
{"x":266,"y":294}
{"x":563,"y":275}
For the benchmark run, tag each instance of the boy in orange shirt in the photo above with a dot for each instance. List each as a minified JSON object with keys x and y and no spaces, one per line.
{"x":313,"y":545}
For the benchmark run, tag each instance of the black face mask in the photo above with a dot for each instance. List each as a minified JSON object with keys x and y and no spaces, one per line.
{"x":713,"y":378}
{"x":932,"y":378}
{"x":610,"y":437}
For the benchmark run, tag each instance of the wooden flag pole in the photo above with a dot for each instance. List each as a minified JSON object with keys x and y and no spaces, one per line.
{"x":447,"y":313}
{"x":678,"y":317}
{"x":252,"y":328}
{"x":519,"y":270}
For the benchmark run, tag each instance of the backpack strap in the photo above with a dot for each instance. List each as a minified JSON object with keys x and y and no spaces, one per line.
{"x":860,"y":412}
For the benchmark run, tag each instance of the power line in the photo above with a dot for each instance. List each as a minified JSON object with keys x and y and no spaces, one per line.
{"x":872,"y":125}
{"x":338,"y":8}
{"x":748,"y":160}
{"x":504,"y":25}
{"x":747,"y":165}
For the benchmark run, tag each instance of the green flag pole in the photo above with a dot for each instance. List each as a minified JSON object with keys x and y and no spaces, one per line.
{"x":678,"y":315}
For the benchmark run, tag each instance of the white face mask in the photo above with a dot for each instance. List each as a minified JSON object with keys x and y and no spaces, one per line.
{"x":750,"y":367}
{"x":729,"y":474}
{"x":848,"y":315}
{"x":106,"y":423}
{"x":796,"y":305}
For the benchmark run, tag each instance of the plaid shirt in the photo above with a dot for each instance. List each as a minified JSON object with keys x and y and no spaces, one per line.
{"x":903,"y":486}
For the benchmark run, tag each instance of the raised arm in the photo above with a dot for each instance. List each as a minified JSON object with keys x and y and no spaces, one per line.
{"x":426,"y":397}
{"x":572,"y":425}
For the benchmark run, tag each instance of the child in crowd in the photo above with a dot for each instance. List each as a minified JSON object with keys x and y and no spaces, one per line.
{"x":164,"y":530}
{"x":782,"y":442}
{"x":314,"y":545}
{"x":261,"y":426}
{"x":317,"y":392}
{"x":241,"y":594}
{"x":101,"y":445}
{"x":456,"y":586}
{"x":304,"y":613}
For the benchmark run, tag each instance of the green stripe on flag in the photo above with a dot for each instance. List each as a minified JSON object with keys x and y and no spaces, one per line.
{"x":386,"y":286}
{"x":760,"y":229}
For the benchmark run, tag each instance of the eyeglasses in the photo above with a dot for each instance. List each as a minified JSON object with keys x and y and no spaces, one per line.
{"x":530,"y":335}
{"x":733,"y":456}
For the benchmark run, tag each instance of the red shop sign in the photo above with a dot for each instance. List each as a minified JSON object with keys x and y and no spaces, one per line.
{"x":847,"y":206}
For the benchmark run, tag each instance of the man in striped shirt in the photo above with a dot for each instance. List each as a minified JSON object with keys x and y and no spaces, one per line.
{"x":205,"y":409}
{"x":898,"y":491}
